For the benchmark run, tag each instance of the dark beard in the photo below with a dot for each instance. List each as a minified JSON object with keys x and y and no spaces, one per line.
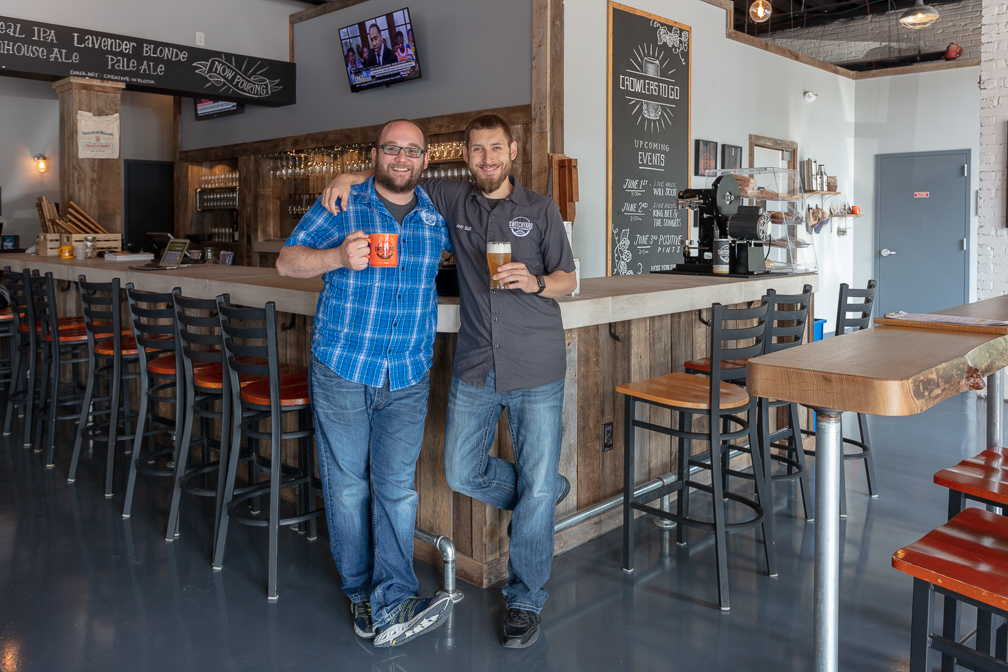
{"x":488,"y":186}
{"x":386,"y":179}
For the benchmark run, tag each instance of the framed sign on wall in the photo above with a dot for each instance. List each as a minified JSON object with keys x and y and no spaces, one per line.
{"x":648,"y":139}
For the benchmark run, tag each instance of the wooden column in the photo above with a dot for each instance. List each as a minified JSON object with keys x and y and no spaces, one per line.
{"x":93,"y":184}
{"x":547,"y":87}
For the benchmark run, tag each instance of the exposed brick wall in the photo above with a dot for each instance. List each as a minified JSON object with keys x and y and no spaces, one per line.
{"x":992,"y":238}
{"x":881,"y":35}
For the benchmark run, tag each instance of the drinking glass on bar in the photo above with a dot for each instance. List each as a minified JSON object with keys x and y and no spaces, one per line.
{"x":498,"y":254}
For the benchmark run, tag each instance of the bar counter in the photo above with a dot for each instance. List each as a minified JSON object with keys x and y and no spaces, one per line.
{"x":619,"y":329}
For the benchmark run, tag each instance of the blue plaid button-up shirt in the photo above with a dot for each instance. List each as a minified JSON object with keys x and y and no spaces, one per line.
{"x":378,"y":323}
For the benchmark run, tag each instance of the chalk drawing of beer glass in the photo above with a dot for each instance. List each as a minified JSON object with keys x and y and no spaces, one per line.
{"x":652,"y":67}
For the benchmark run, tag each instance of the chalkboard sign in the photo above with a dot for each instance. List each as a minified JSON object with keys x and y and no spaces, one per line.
{"x":649,"y":140}
{"x":48,"y":51}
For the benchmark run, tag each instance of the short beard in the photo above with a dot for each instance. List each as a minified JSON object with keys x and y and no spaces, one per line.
{"x":488,"y":186}
{"x":385,"y":178}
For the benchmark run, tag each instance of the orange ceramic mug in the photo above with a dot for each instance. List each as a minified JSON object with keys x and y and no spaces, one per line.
{"x":66,"y":251}
{"x":384,"y":249}
{"x":855,"y":209}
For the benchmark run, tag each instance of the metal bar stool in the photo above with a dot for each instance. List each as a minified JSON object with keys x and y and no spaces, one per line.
{"x":7,"y":327}
{"x":251,"y":333}
{"x":153,"y":318}
{"x":721,"y":402}
{"x":786,"y":329}
{"x":964,"y":560}
{"x":854,"y":316}
{"x":22,"y":345}
{"x":61,"y":345}
{"x":111,"y":349}
{"x":201,"y":346}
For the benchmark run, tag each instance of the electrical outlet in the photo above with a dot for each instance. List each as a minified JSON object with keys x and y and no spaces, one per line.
{"x":607,"y":437}
{"x":200,"y":39}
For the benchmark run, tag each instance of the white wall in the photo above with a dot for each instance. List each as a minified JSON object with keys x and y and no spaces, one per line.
{"x":912,"y":113}
{"x":474,"y":54}
{"x":253,"y":27}
{"x":736,"y":90}
{"x":992,"y":262}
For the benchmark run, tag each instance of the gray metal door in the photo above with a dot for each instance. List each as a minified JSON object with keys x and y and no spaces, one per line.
{"x":922,"y":230}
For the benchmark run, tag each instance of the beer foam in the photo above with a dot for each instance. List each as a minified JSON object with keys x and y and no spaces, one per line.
{"x":498,"y":248}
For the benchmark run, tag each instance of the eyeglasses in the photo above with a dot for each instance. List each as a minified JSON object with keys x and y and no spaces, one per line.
{"x":393,"y":150}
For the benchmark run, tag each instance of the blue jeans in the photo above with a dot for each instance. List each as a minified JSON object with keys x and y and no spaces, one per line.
{"x":529,"y":487}
{"x":368,"y":443}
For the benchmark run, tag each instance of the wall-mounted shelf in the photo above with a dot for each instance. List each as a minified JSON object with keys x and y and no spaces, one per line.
{"x":822,"y":193}
{"x":222,"y":198}
{"x":849,"y":215}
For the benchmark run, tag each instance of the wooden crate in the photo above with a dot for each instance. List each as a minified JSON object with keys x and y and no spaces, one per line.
{"x":109,"y":242}
{"x":47,"y":244}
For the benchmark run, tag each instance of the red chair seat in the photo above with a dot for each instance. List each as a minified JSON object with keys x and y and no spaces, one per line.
{"x":210,"y":376}
{"x":6,"y":315}
{"x":702,"y":365}
{"x":106,"y":347}
{"x":967,"y":555}
{"x":293,"y":389}
{"x":165,"y":365}
{"x":63,"y":322}
{"x":984,"y":476}
{"x":74,"y":334}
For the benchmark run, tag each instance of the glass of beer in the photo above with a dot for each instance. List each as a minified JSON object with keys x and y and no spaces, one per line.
{"x":498,"y":254}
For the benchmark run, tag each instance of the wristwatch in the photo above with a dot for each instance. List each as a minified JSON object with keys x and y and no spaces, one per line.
{"x":542,"y":284}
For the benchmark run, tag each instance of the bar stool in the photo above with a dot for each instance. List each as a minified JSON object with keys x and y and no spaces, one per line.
{"x":111,"y":350}
{"x":201,"y":346}
{"x":60,"y":345}
{"x":965,"y":561}
{"x":720,"y":401}
{"x":855,"y":316}
{"x":7,"y":327}
{"x":153,"y":319}
{"x":22,"y":345}
{"x":785,"y":329}
{"x":275,"y":394}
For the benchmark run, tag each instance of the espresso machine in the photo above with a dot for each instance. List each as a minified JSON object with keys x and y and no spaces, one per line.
{"x":721,"y":221}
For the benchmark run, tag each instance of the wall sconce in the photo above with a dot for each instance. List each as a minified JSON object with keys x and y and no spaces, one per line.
{"x":41,"y":163}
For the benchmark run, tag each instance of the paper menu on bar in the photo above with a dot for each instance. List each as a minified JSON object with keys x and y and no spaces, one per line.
{"x":943,"y":322}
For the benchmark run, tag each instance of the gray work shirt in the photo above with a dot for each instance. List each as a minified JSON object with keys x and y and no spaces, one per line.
{"x":519,"y":335}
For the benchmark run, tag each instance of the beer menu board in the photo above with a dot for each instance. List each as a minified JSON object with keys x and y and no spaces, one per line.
{"x":648,"y":140}
{"x":49,"y":51}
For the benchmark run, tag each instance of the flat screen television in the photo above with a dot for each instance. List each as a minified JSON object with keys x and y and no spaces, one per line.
{"x":208,"y":109}
{"x":380,"y":51}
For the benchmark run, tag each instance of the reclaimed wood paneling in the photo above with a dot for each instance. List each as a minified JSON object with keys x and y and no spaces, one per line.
{"x":589,"y":417}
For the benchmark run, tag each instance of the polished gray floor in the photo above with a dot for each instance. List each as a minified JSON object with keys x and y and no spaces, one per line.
{"x":83,"y":589}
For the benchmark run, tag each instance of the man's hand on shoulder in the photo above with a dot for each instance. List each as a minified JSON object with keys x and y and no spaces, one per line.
{"x":336,"y":195}
{"x":354,"y":251}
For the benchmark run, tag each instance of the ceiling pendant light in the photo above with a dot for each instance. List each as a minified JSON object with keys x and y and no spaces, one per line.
{"x":919,"y":16}
{"x":760,"y":10}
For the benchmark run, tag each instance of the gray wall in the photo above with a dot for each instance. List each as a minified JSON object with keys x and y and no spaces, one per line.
{"x":459,"y":43}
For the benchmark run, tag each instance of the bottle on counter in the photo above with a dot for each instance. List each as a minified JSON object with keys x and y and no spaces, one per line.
{"x":234,"y":227}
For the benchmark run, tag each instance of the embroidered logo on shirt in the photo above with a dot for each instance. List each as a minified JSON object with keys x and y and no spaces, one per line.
{"x":428,"y":217}
{"x":520,"y":226}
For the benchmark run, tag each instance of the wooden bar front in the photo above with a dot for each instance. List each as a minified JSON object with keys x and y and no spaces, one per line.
{"x":657,"y":316}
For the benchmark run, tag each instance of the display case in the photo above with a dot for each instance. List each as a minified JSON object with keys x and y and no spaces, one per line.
{"x":779,"y":192}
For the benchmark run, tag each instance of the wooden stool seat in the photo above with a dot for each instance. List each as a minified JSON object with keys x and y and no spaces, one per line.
{"x":293,"y":389}
{"x":70,"y":335}
{"x":165,"y":365}
{"x":6,"y":315}
{"x":967,"y":555}
{"x":685,"y":391}
{"x":209,"y":375}
{"x":984,"y":476}
{"x":72,"y":321}
{"x":702,"y":365}
{"x":106,"y":347}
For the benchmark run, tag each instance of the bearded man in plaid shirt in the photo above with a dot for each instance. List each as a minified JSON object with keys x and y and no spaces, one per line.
{"x":371,"y":355}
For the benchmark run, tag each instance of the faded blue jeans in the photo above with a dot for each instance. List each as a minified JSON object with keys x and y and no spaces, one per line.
{"x":529,"y":487}
{"x":368,"y":442}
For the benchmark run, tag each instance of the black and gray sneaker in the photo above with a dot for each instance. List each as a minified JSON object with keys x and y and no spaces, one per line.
{"x":415,"y":617}
{"x":521,"y":629}
{"x":564,"y":491}
{"x":361,"y":614}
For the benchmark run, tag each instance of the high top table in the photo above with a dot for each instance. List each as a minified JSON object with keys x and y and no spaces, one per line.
{"x":886,"y":370}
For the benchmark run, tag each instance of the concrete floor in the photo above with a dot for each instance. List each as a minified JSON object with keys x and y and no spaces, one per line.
{"x":83,"y":589}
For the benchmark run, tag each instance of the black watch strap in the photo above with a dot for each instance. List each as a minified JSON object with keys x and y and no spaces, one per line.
{"x":542,"y":284}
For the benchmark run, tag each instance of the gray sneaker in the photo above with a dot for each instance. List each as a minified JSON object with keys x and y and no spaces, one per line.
{"x":415,"y":617}
{"x":361,"y":614}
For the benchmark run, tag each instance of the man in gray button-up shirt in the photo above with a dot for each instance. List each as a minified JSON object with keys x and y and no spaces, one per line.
{"x":510,"y":354}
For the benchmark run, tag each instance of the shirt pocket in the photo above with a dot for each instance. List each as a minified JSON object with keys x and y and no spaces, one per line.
{"x":528,"y":250}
